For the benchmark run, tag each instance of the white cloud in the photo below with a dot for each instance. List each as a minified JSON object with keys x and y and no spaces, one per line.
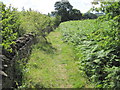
{"x":45,"y":6}
{"x":82,"y":5}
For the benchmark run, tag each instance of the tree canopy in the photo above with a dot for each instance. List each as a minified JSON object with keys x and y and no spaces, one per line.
{"x":89,"y":15}
{"x":64,"y":9}
{"x":110,"y":8}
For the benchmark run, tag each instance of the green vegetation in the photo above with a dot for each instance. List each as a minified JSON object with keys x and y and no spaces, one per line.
{"x":65,"y":10}
{"x":89,"y":15}
{"x":96,"y":49}
{"x":10,"y":25}
{"x":15,"y":24}
{"x":52,"y":65}
{"x":97,"y":45}
{"x":77,"y":53}
{"x":33,"y":21}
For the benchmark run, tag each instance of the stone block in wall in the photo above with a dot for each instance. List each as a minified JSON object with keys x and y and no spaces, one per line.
{"x":21,"y":49}
{"x":6,"y":72}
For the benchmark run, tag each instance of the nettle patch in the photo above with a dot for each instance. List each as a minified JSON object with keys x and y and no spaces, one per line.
{"x":97,"y":48}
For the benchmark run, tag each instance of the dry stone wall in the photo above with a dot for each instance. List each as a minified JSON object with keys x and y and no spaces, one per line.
{"x":21,"y":50}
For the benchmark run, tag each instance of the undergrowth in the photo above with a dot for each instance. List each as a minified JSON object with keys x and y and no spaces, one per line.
{"x":97,"y":47}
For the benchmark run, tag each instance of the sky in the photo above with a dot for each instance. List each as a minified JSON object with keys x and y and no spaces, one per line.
{"x":46,"y":6}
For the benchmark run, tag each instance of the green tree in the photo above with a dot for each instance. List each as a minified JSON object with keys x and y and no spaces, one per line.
{"x":62,"y":9}
{"x":75,"y":14}
{"x":89,"y":15}
{"x":111,"y":9}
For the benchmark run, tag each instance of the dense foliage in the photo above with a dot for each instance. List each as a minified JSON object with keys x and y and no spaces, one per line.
{"x":97,"y":43}
{"x":112,"y":9}
{"x":33,"y":21}
{"x":64,"y":9}
{"x":10,"y":25}
{"x":97,"y":49}
{"x":89,"y":15}
{"x":16,"y":23}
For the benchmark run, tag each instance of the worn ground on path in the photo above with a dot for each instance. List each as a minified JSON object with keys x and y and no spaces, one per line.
{"x":52,"y":64}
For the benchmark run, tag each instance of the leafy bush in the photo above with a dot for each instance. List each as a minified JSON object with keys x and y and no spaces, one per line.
{"x":89,"y":15}
{"x":56,"y":20}
{"x":97,"y":49}
{"x":10,"y":25}
{"x":33,"y":21}
{"x":15,"y":24}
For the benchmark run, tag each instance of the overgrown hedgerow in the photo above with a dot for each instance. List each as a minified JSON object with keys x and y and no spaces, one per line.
{"x":97,"y":49}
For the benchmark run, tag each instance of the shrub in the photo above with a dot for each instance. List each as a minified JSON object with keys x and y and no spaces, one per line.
{"x":97,"y":49}
{"x":10,"y":25}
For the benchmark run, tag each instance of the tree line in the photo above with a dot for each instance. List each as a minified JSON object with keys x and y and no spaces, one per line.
{"x":66,"y":11}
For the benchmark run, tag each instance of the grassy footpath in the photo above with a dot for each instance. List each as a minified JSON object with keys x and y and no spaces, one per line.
{"x":52,"y":65}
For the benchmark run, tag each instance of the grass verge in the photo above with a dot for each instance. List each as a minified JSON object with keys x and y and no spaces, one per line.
{"x":53,"y":64}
